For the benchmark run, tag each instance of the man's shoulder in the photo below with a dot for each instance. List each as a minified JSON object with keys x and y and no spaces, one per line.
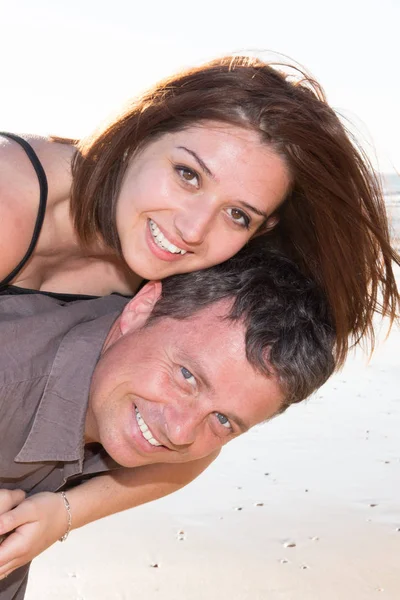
{"x":24,"y":305}
{"x":30,"y":304}
{"x":33,"y":326}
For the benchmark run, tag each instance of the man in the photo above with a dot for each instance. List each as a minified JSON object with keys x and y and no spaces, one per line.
{"x":170,"y":380}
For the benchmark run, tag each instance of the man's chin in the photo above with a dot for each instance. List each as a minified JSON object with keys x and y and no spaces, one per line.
{"x":127,"y":456}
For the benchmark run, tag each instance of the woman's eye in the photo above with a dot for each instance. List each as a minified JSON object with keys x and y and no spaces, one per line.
{"x":188,"y":376}
{"x":188,"y":176}
{"x":223,"y":420}
{"x":239,"y":217}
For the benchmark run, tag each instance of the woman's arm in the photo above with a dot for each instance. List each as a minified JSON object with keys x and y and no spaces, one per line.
{"x":41,"y":519}
{"x":125,"y":488}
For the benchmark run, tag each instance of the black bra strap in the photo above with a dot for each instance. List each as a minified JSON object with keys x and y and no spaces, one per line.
{"x":41,"y":175}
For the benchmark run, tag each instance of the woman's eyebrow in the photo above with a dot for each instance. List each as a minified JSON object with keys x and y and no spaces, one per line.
{"x":260,"y":213}
{"x":206,"y":170}
{"x":199,"y":161}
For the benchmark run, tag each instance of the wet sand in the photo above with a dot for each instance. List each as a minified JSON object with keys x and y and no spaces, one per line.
{"x":306,"y":507}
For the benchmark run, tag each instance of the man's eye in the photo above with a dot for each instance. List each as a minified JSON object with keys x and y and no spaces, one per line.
{"x":223,"y":420}
{"x":188,"y":376}
{"x":188,"y":175}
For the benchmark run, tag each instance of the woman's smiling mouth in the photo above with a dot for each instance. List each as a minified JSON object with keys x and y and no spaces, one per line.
{"x":162,"y":242}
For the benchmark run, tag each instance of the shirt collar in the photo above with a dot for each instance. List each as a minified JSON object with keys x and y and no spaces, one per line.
{"x":57,"y":432}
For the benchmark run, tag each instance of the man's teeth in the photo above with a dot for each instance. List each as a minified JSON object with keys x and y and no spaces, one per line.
{"x":145,"y":430}
{"x":162,"y":241}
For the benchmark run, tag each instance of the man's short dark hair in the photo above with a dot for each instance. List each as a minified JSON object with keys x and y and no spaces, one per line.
{"x":289,"y":329}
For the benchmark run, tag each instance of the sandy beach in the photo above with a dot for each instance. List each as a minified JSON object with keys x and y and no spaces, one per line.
{"x":305,"y":507}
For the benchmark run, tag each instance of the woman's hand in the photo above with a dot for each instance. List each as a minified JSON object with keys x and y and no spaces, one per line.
{"x":8,"y":500}
{"x":33,"y":525}
{"x":40,"y":520}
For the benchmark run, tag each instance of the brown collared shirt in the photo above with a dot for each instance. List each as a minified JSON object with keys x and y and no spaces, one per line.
{"x":48,"y":351}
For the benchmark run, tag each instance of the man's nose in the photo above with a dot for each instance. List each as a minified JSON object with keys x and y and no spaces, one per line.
{"x":196,"y":219}
{"x":182,"y":426}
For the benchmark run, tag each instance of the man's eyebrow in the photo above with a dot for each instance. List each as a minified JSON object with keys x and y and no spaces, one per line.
{"x":242,"y":425}
{"x":208,"y":171}
{"x":199,"y":161}
{"x":195,"y":367}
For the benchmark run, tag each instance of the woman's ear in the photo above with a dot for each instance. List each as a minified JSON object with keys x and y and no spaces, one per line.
{"x":269,"y":224}
{"x":137,"y":311}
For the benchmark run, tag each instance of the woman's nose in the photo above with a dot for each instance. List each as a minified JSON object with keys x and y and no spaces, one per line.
{"x":195,"y":220}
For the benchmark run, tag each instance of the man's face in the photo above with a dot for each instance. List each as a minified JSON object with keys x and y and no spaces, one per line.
{"x":177,"y":390}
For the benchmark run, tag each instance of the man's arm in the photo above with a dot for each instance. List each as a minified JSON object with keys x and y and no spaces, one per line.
{"x":41,"y":520}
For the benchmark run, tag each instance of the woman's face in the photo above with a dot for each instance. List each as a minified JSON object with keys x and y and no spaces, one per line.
{"x":193,"y":198}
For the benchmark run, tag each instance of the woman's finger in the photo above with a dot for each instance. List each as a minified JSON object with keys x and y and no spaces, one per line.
{"x":21,"y":514}
{"x":11,"y":552}
{"x":4,"y":575}
{"x":10,"y":498}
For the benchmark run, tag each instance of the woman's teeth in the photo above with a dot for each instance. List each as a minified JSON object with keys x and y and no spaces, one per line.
{"x":162,"y":241}
{"x":145,"y":430}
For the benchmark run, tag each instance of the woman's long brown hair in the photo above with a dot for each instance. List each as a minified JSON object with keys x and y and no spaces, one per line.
{"x":333,"y":222}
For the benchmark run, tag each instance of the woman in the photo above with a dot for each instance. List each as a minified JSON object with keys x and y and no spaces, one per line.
{"x":182,"y":180}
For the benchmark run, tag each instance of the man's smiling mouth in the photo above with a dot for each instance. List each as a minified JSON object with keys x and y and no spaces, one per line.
{"x":161,"y":241}
{"x":148,"y":436}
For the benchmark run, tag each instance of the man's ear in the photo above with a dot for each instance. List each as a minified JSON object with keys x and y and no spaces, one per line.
{"x":137,"y":311}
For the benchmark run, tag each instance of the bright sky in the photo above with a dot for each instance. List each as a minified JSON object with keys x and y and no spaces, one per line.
{"x":67,"y":64}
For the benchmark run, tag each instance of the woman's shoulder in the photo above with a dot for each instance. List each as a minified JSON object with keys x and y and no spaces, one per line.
{"x":24,"y":171}
{"x":53,"y":156}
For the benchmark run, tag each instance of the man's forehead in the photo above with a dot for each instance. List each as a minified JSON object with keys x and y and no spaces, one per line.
{"x":218,"y":311}
{"x":207,"y":324}
{"x":212,"y":337}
